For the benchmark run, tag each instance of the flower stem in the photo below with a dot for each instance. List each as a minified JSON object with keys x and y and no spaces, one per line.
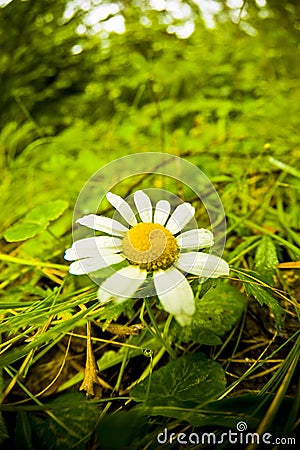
{"x":157,"y":331}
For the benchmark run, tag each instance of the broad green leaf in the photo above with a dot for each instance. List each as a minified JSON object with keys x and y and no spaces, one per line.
{"x":35,"y":221}
{"x":48,"y":211}
{"x":77,"y":418}
{"x":192,"y":379}
{"x":119,"y":431}
{"x":23,"y":230}
{"x":262,"y":295}
{"x":216,"y":313}
{"x":196,"y":333}
{"x":266,"y":260}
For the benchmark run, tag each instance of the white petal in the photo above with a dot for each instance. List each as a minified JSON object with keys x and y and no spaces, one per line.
{"x":182,"y":215}
{"x":93,"y":247}
{"x":101,"y":223}
{"x":162,"y":212}
{"x":122,"y":284}
{"x":175,"y":294}
{"x":122,"y":207}
{"x":195,"y":239}
{"x":87,"y":265}
{"x":144,"y":206}
{"x":202,"y":264}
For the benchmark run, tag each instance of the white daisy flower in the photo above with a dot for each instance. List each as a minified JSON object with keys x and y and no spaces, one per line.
{"x":153,"y":245}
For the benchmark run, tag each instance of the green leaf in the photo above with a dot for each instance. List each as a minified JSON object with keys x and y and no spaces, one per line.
{"x":266,"y":260}
{"x":262,"y":295}
{"x":192,"y":379}
{"x":23,"y":437}
{"x":76,"y":418}
{"x":225,"y":413}
{"x":3,"y":430}
{"x":216,"y":313}
{"x":196,"y":333}
{"x":113,"y":310}
{"x":35,"y":221}
{"x":47,"y":212}
{"x":119,"y":431}
{"x":285,"y":167}
{"x":23,"y":230}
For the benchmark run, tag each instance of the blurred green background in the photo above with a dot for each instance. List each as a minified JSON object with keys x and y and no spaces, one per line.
{"x":215,"y":79}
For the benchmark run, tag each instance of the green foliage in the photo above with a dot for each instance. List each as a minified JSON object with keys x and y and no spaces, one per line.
{"x":216,"y":313}
{"x":36,"y":220}
{"x":3,"y":430}
{"x":23,"y":435}
{"x":114,"y":310}
{"x":120,"y":430}
{"x":262,"y":294}
{"x":226,"y":413}
{"x":61,"y":429}
{"x":37,"y":64}
{"x":266,"y":260}
{"x":189,"y":380}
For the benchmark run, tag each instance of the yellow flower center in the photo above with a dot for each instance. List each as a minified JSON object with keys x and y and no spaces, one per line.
{"x":150,"y":246}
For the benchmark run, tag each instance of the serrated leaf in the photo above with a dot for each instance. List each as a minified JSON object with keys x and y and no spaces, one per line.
{"x":35,"y":221}
{"x":261,"y":294}
{"x":216,"y":313}
{"x":113,"y":310}
{"x":192,"y":379}
{"x":266,"y":260}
